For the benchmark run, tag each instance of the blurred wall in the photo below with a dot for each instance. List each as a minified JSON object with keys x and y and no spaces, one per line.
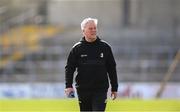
{"x":156,"y":13}
{"x":162,"y":14}
{"x":138,"y":13}
{"x":72,"y":12}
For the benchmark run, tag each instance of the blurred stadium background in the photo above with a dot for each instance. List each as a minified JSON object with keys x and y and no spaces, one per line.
{"x":36,"y":36}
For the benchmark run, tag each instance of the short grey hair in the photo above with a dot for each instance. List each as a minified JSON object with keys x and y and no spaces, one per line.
{"x":85,"y":21}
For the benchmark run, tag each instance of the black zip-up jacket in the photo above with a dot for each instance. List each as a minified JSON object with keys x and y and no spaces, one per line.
{"x":94,"y":63}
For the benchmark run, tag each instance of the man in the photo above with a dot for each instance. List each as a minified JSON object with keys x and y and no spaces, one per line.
{"x":95,"y":64}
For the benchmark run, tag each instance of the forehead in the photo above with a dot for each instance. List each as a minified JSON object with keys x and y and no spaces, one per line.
{"x":90,"y":24}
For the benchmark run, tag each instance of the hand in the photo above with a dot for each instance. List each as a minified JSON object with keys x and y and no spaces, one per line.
{"x":68,"y":91}
{"x":113,"y":95}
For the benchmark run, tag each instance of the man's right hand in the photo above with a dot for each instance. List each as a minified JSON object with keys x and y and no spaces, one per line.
{"x":68,"y":91}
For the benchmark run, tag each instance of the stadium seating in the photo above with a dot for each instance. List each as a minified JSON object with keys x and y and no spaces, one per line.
{"x":23,"y":40}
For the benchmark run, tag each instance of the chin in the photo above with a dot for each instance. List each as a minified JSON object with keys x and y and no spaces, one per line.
{"x":93,"y":36}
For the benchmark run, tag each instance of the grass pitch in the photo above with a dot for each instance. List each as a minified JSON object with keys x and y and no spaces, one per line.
{"x":69,"y":105}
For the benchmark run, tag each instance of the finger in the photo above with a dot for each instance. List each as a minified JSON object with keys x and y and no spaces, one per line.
{"x":114,"y":96}
{"x":67,"y":91}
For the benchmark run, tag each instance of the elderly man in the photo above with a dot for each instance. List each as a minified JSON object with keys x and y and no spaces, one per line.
{"x":95,"y":64}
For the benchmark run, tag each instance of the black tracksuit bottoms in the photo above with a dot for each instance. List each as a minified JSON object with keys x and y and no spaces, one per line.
{"x":92,"y":100}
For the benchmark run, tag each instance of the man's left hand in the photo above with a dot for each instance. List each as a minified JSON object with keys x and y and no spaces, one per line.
{"x":113,"y":95}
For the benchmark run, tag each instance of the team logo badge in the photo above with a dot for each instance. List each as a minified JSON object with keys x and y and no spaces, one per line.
{"x":101,"y":55}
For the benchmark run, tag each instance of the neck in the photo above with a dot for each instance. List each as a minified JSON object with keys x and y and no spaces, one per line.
{"x":90,"y":39}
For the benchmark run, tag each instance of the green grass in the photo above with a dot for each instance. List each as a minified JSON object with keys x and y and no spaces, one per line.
{"x":64,"y":105}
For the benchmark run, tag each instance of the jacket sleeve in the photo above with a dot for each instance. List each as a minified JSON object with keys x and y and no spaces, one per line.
{"x":111,"y":69}
{"x":70,"y":68}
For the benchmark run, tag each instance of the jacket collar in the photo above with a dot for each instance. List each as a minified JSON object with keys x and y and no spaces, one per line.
{"x":84,"y":40}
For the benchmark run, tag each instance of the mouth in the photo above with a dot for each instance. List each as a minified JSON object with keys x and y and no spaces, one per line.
{"x":93,"y":34}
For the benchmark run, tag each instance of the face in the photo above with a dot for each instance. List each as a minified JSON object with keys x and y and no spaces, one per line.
{"x":90,"y":31}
